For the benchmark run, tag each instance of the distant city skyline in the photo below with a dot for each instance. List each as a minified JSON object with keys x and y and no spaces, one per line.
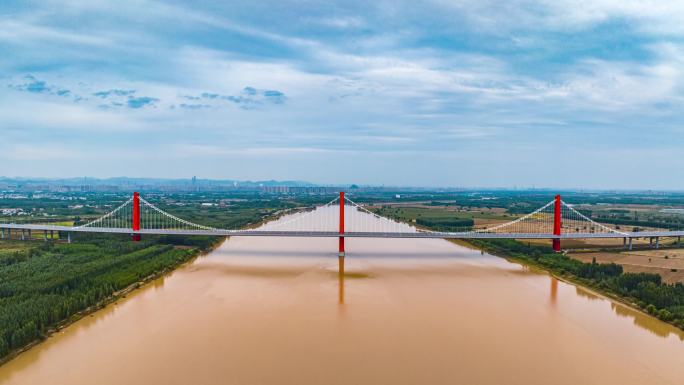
{"x":29,"y":184}
{"x":562,"y":94}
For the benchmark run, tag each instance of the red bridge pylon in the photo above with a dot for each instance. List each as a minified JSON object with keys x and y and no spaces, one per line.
{"x":341,"y":224}
{"x":135,"y":218}
{"x":557,"y":223}
{"x":340,"y":258}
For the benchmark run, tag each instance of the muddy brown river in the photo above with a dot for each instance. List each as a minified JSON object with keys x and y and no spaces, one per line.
{"x":408,"y":311}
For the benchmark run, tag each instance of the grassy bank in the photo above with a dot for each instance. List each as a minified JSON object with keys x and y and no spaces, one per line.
{"x":644,"y":291}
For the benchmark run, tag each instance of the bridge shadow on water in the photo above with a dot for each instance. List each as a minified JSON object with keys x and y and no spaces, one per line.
{"x":283,"y":271}
{"x":459,"y":255}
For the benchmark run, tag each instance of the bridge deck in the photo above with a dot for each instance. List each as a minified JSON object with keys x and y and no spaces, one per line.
{"x":333,"y":234}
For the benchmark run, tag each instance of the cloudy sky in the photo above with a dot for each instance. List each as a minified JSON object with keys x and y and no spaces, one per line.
{"x":554,"y":93}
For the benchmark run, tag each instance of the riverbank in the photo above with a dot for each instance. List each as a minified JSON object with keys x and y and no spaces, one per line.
{"x":189,"y":256}
{"x":602,"y":283}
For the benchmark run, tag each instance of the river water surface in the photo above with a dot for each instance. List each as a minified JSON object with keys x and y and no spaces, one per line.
{"x":408,"y":311}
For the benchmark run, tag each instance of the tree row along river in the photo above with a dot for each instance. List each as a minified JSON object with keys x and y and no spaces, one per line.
{"x":407,"y":311}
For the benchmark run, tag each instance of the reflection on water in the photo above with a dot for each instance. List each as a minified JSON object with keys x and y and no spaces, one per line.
{"x":409,"y":311}
{"x":640,"y":319}
{"x":646,"y":322}
{"x":158,"y":283}
{"x":588,"y":294}
{"x":340,"y":277}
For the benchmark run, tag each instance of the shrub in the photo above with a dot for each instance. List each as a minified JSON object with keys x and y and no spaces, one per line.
{"x":664,"y":315}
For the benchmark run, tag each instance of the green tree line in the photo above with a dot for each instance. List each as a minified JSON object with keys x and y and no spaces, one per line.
{"x":446,"y":224}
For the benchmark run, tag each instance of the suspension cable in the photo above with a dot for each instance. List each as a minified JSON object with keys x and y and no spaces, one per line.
{"x":106,"y":216}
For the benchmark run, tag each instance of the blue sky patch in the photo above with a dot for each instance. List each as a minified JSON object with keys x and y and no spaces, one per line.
{"x":113,"y":92}
{"x":142,"y":101}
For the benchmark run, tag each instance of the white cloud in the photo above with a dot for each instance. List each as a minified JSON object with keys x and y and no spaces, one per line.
{"x":340,"y":22}
{"x":20,"y":32}
{"x":37,"y":152}
{"x":42,"y":114}
{"x":651,"y":16}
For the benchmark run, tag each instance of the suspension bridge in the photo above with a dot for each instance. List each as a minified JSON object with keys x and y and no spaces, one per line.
{"x":342,"y":218}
